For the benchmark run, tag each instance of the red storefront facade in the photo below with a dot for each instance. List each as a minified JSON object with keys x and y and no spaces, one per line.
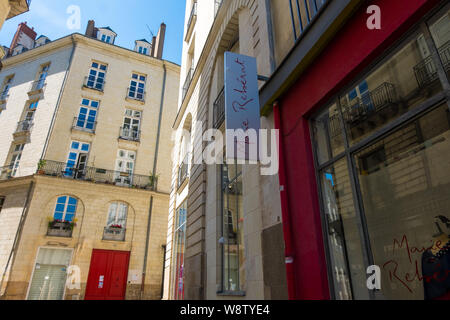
{"x":353,"y":52}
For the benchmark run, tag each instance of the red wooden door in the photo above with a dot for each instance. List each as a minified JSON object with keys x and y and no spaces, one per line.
{"x":108,"y":274}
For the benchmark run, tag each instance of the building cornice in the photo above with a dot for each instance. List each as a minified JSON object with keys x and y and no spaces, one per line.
{"x":210,"y":40}
{"x":90,"y":42}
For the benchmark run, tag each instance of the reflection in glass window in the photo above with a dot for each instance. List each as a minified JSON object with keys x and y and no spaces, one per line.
{"x":401,"y":83}
{"x":65,"y":209}
{"x":178,"y":251}
{"x":233,"y":263}
{"x":117,"y":215}
{"x":405,"y":186}
{"x":344,"y":237}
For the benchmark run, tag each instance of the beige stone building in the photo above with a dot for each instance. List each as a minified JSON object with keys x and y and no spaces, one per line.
{"x":225,"y":236}
{"x":85,"y":182}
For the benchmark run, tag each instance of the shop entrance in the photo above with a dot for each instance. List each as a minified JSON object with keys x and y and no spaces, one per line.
{"x":108,"y":273}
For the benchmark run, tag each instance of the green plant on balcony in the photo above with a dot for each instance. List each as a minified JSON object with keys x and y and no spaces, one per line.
{"x":56,"y":223}
{"x":152,"y":180}
{"x":41,"y":165}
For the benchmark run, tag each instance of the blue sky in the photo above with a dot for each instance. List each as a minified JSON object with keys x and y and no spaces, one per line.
{"x":127,"y":18}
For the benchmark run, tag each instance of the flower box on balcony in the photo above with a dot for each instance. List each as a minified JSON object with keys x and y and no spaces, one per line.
{"x":114,"y":233}
{"x":58,"y":228}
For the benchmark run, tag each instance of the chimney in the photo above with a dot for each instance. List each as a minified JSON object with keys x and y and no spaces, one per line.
{"x":159,"y":46}
{"x":152,"y":54}
{"x":90,"y":29}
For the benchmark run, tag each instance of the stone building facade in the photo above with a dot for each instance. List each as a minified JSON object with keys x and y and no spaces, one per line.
{"x":85,"y":184}
{"x":218,"y":250}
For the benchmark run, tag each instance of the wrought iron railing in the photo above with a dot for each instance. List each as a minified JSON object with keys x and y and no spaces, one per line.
{"x":370,"y":103}
{"x":114,"y":234}
{"x":37,"y":85}
{"x":183,"y":170}
{"x":84,"y":125}
{"x":24,"y":126}
{"x":303,"y":14}
{"x":95,"y":83}
{"x":134,"y":94}
{"x":191,"y":21}
{"x":130,"y":134}
{"x":426,"y":71}
{"x":97,"y":175}
{"x":187,"y":82}
{"x":219,"y":109}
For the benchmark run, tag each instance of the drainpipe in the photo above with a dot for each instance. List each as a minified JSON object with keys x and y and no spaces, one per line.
{"x":155,"y":161}
{"x":163,"y":270}
{"x":58,"y":103}
{"x":287,"y":228}
{"x":18,"y":232}
{"x":144,"y":268}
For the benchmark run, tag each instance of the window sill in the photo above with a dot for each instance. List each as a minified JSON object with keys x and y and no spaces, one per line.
{"x":99,"y":91}
{"x":231,"y":294}
{"x":135,"y":100}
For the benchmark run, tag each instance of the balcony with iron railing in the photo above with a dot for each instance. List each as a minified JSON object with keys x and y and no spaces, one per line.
{"x":219,"y":110}
{"x":84,"y":125}
{"x":24,"y":127}
{"x":378,"y":102}
{"x":191,"y":22}
{"x":114,"y":233}
{"x":426,"y":71}
{"x":94,"y":83}
{"x":130,"y":134}
{"x":187,"y":82}
{"x":37,"y":87}
{"x":97,"y":175}
{"x":134,"y":94}
{"x":183,"y":170}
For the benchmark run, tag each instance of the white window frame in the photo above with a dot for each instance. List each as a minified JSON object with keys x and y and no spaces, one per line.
{"x":140,"y":81}
{"x":116,"y":214}
{"x":6,"y":86}
{"x":97,"y":69}
{"x":16,"y":156}
{"x":133,"y":116}
{"x":128,"y":157}
{"x":34,"y":267}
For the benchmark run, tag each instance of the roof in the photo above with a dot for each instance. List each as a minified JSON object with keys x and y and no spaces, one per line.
{"x":41,"y":36}
{"x":107,"y":28}
{"x":143,"y":40}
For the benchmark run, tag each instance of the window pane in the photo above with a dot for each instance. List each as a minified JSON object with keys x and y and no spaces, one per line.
{"x":328,"y":135}
{"x":344,"y":239}
{"x":233,"y":231}
{"x":398,"y":85}
{"x":405,"y":186}
{"x":440,"y":31}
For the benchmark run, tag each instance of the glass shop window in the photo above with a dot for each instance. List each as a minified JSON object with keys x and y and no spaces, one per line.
{"x":405,"y":80}
{"x":233,"y":259}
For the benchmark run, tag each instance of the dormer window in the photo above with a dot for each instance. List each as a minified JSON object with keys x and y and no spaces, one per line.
{"x":106,"y":38}
{"x":143,"y":47}
{"x":142,"y":50}
{"x":106,"y":35}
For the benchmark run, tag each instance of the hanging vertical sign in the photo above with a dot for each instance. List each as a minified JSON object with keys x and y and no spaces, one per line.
{"x":242,"y":116}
